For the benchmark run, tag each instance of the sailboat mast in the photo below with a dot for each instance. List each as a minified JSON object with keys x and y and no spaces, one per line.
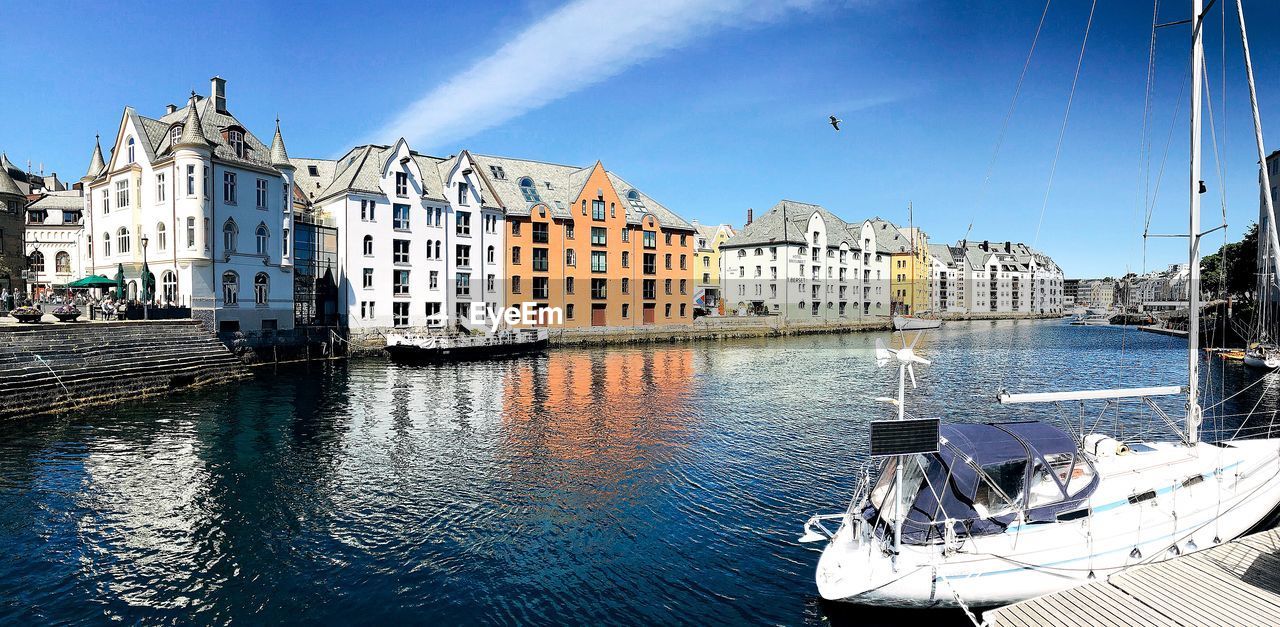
{"x":1193,"y":288}
{"x":1272,"y":244}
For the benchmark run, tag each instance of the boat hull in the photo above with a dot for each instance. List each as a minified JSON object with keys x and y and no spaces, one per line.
{"x":1239,"y":487}
{"x":466,"y":348}
{"x":908,"y":323}
{"x":1253,"y":360}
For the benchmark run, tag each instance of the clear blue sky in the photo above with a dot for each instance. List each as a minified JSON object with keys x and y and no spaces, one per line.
{"x":711,"y":106}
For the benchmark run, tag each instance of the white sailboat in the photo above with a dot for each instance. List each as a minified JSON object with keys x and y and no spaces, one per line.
{"x":1262,"y":353}
{"x":990,"y":514}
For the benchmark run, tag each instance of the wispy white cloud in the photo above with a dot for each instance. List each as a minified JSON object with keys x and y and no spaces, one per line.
{"x":580,"y":44}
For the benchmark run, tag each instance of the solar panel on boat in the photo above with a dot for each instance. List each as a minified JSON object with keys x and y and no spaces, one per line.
{"x":904,"y":437}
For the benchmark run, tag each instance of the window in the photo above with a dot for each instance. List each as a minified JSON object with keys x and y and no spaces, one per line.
{"x":400,"y":314}
{"x":433,"y":279}
{"x":368,"y":246}
{"x":366,"y":309}
{"x":429,"y":250}
{"x":684,"y":239}
{"x":204,"y":177}
{"x":367,"y":279}
{"x":568,"y":229}
{"x":261,"y":240}
{"x":540,"y":260}
{"x":462,"y":193}
{"x":599,"y":261}
{"x":515,"y":228}
{"x":529,"y":190}
{"x":464,"y":255}
{"x":400,"y":282}
{"x":633,"y":197}
{"x":684,"y":286}
{"x":230,"y":288}
{"x":599,"y":236}
{"x":400,"y":217}
{"x":667,"y":260}
{"x":626,"y":310}
{"x":106,"y":244}
{"x":162,"y":236}
{"x":169,"y":286}
{"x":650,"y":288}
{"x":568,"y":311}
{"x":260,"y":289}
{"x":106,"y":201}
{"x":650,"y":239}
{"x":402,"y":184}
{"x":626,"y":235}
{"x":191,"y":232}
{"x":666,"y":286}
{"x":35,"y":262}
{"x":464,"y":223}
{"x":130,"y":144}
{"x":515,"y":285}
{"x":498,"y":172}
{"x":261,"y":195}
{"x":229,"y":188}
{"x":597,"y":210}
{"x":540,"y":288}
{"x":682,"y":310}
{"x":1008,"y":477}
{"x":160,"y":187}
{"x":230,"y":233}
{"x":682,"y":262}
{"x":599,"y":288}
{"x":650,"y":263}
{"x":568,"y":285}
{"x":667,"y":310}
{"x":175,"y":134}
{"x":570,"y":258}
{"x":540,"y":234}
{"x":191,"y":180}
{"x":122,"y":194}
{"x":463,"y":284}
{"x":367,"y":210}
{"x":400,"y":251}
{"x":515,"y":255}
{"x":284,"y":241}
{"x":235,"y":139}
{"x":491,"y":282}
{"x":626,"y":285}
{"x":490,"y":256}
{"x":122,"y":240}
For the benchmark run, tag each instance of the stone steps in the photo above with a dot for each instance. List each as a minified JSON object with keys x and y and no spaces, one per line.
{"x":87,"y":364}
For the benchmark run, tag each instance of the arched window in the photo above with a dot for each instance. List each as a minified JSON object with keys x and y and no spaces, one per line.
{"x":491,"y":254}
{"x":235,"y":139}
{"x":88,"y":241}
{"x":130,"y":142}
{"x":260,"y":288}
{"x":437,"y":249}
{"x":529,"y":190}
{"x":62,"y":262}
{"x":230,"y":233}
{"x":261,"y":239}
{"x":169,"y":286}
{"x":175,"y":134}
{"x":162,"y":236}
{"x":230,"y":288}
{"x":106,"y":244}
{"x":428,"y":249}
{"x":35,"y":262}
{"x":368,"y":246}
{"x":122,"y":240}
{"x":132,"y":291}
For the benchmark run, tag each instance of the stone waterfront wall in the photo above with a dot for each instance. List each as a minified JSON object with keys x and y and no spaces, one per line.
{"x":50,"y":368}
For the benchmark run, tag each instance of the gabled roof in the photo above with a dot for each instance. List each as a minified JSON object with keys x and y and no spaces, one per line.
{"x":61,"y":201}
{"x":946,"y":254}
{"x":553,"y":184}
{"x":666,"y":217}
{"x":308,"y":184}
{"x":787,"y":222}
{"x":889,"y":239}
{"x":360,"y":171}
{"x":212,"y":123}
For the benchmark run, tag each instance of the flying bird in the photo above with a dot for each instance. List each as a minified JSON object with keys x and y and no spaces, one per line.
{"x":835,"y":122}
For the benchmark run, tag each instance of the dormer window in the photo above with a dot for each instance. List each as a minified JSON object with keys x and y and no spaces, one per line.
{"x":175,"y":134}
{"x":633,"y":197}
{"x":529,"y":191}
{"x":498,"y":172}
{"x":313,"y":170}
{"x":235,"y":139}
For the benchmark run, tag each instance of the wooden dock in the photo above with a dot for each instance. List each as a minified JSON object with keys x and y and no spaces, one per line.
{"x":1236,"y":583}
{"x":1164,"y":331}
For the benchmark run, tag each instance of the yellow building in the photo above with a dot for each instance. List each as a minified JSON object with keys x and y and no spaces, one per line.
{"x":908,"y":250}
{"x":706,"y":264}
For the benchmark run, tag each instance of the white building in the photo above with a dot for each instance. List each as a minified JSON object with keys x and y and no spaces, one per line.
{"x":947,"y":272}
{"x":55,"y":233}
{"x":802,"y":262}
{"x":420,"y":237}
{"x":211,"y":202}
{"x":995,"y":277}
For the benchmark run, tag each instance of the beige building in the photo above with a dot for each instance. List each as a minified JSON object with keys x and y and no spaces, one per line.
{"x":706,"y":265}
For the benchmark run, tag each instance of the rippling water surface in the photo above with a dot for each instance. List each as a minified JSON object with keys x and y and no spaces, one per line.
{"x":623,"y":485}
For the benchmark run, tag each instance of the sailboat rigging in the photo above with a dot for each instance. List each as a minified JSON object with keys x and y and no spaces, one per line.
{"x":990,"y":514}
{"x":914,"y":320}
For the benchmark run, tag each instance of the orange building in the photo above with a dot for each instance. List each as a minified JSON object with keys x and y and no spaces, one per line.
{"x":587,"y":242}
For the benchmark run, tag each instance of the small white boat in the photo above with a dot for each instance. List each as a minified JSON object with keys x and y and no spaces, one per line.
{"x":912,"y":323}
{"x":457,"y":347}
{"x":1264,"y":356}
{"x":1092,"y":320}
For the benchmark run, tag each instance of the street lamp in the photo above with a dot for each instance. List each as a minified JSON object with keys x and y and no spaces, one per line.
{"x":146,"y":292}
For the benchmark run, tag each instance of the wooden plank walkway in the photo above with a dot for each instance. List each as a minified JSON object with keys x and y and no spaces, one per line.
{"x":1236,"y":584}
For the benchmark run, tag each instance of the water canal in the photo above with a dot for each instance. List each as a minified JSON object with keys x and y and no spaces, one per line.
{"x":625,"y":485}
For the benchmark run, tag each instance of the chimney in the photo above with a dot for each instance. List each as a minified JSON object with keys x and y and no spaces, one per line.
{"x":986,"y":246}
{"x":750,"y":215}
{"x":170,"y":108}
{"x":218,"y":91}
{"x":1008,"y":247}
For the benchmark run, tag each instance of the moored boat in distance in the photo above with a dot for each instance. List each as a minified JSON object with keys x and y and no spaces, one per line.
{"x":1264,"y":355}
{"x":912,"y":323}
{"x":457,"y":347}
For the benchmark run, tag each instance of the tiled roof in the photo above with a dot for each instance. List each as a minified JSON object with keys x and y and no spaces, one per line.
{"x":553,"y":184}
{"x":311,"y":185}
{"x":279,"y":157}
{"x":888,"y":238}
{"x":7,"y":186}
{"x":360,"y":170}
{"x":666,"y":217}
{"x":96,"y":164}
{"x":63,"y":201}
{"x":212,"y":123}
{"x":771,"y":227}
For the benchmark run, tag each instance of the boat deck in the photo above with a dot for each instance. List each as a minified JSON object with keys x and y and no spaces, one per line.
{"x":1236,"y":583}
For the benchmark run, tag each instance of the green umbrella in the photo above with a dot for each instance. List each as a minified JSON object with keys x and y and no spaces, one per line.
{"x":148,"y":283}
{"x":120,"y":282}
{"x":92,"y":281}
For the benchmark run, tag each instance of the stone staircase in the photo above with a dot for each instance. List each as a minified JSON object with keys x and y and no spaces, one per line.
{"x":49,"y":368}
